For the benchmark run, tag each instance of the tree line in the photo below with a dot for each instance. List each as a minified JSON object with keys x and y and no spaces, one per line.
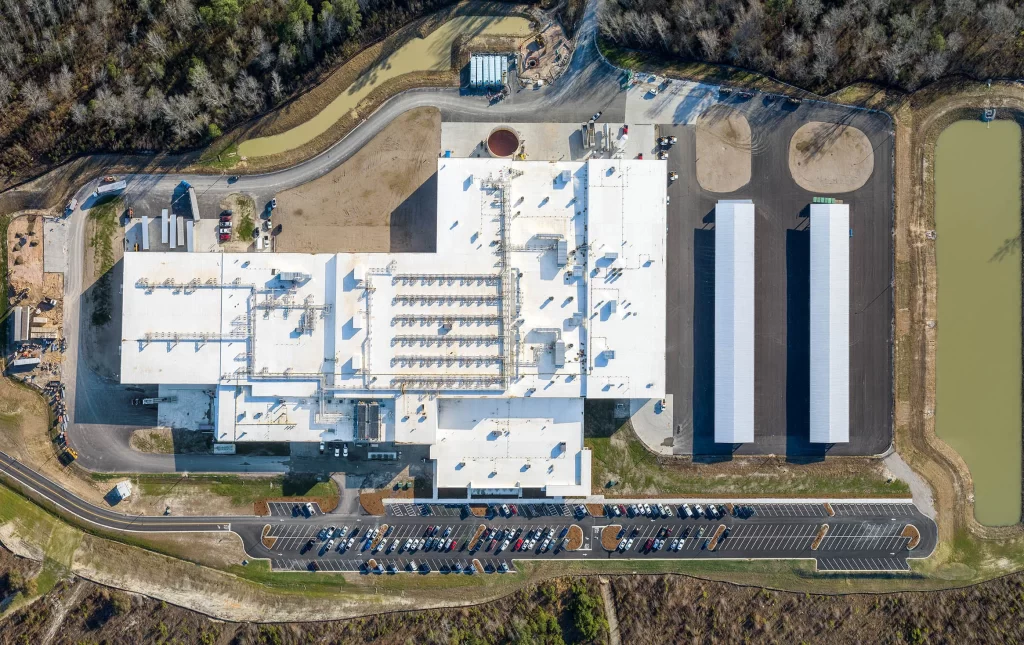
{"x":826,"y":44}
{"x":131,"y":75}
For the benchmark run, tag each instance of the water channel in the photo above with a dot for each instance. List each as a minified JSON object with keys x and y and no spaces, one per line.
{"x":978,"y":354}
{"x":433,"y":53}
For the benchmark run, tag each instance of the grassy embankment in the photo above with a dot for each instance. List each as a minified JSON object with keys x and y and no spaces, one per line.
{"x":103,"y":219}
{"x":619,"y":456}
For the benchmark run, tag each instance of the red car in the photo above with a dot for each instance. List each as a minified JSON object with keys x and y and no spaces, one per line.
{"x":224,"y":237}
{"x":452,"y":545}
{"x":512,"y":507}
{"x":519,"y":544}
{"x":650,"y":543}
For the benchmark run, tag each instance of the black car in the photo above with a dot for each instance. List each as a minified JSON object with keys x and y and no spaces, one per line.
{"x":232,"y":179}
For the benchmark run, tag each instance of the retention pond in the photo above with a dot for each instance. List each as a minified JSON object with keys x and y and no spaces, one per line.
{"x":978,"y":353}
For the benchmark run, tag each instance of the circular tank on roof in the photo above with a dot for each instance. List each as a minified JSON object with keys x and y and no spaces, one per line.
{"x":502,"y":142}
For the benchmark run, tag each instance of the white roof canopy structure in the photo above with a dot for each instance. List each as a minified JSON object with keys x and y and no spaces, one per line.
{"x":734,"y":322}
{"x":830,"y":323}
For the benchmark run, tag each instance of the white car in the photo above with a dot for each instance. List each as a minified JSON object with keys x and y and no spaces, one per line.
{"x":330,"y":544}
{"x":350,"y":542}
{"x":647,"y":510}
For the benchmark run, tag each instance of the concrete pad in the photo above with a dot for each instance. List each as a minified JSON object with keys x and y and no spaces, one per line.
{"x":193,"y":408}
{"x":679,"y":103}
{"x":550,"y":141}
{"x":55,"y":246}
{"x":652,"y":422}
{"x":830,"y":158}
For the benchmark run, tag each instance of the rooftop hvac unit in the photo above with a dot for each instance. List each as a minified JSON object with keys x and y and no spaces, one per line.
{"x":293,"y":276}
{"x":559,"y":353}
{"x":566,"y":176}
{"x":613,"y":306}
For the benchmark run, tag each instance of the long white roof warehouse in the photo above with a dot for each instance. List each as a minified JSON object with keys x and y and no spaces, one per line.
{"x":548,"y":286}
{"x":734,"y":321}
{"x":830,"y":323}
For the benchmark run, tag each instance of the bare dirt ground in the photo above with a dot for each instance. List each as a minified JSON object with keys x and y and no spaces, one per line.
{"x":25,"y":252}
{"x":28,"y":286}
{"x":830,"y":158}
{"x":723,"y":150}
{"x":377,"y":201}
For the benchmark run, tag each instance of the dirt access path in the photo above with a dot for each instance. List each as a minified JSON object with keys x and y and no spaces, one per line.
{"x":382,"y":199}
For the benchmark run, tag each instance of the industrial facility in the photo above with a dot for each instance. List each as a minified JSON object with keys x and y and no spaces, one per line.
{"x":548,"y":286}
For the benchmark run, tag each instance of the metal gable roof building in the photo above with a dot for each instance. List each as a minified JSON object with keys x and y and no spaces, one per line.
{"x":830,"y":323}
{"x":734,"y":322}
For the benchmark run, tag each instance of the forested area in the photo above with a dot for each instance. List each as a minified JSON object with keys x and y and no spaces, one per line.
{"x":826,"y":44}
{"x":121,"y":75}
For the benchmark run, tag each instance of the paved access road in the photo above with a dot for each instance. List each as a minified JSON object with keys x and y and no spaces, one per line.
{"x":861,"y":536}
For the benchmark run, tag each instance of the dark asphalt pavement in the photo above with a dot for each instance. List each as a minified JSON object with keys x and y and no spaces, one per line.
{"x":782,"y":300}
{"x":864,"y":533}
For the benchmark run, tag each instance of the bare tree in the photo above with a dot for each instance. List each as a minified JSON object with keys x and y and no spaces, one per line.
{"x":157,"y":45}
{"x":808,"y":11}
{"x":709,"y":43}
{"x":933,"y":65}
{"x":61,"y":84}
{"x":276,"y":89}
{"x":248,"y":94}
{"x":182,"y":115}
{"x":109,"y":108}
{"x":6,"y":89}
{"x":79,"y":114}
{"x":35,"y":97}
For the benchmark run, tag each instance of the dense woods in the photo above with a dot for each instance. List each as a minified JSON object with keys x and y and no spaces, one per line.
{"x":120,"y":75}
{"x":826,"y":44}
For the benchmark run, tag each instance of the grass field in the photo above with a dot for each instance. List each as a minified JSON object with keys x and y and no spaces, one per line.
{"x":241,"y":491}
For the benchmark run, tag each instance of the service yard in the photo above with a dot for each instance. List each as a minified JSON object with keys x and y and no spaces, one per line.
{"x":844,"y":143}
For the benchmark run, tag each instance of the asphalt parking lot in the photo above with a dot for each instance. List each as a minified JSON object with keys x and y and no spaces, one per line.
{"x":782,"y":305}
{"x":866,"y":535}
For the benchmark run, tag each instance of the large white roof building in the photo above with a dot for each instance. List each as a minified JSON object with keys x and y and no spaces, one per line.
{"x":734,"y":321}
{"x":830,"y":323}
{"x":548,"y":285}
